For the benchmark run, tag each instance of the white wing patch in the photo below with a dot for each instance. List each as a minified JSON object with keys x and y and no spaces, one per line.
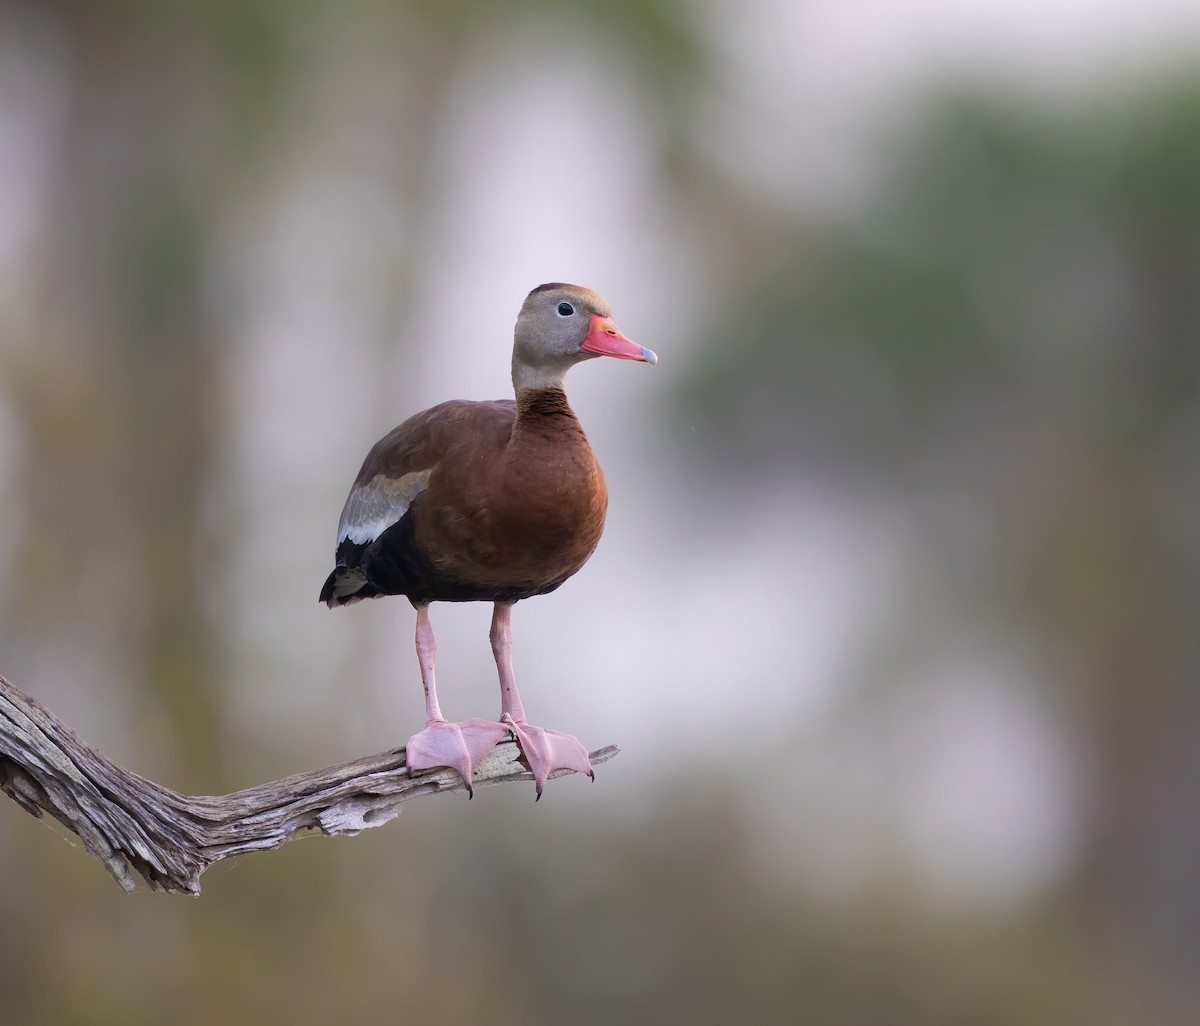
{"x":372,"y":508}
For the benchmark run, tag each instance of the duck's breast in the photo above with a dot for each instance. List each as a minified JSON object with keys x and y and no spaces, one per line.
{"x":518,"y":521}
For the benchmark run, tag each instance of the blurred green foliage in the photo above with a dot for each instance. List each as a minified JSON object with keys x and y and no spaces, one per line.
{"x":1007,"y":346}
{"x":1037,"y":259}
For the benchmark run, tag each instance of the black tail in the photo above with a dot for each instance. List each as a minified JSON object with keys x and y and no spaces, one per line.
{"x":346,"y":585}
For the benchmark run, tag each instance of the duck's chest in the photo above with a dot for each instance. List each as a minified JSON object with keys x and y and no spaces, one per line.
{"x":517,"y":521}
{"x":551,"y":503}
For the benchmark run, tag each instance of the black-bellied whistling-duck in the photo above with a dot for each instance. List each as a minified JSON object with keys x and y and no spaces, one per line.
{"x":487,"y":502}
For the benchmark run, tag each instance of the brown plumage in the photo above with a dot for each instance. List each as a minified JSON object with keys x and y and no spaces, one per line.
{"x":486,"y":501}
{"x":511,"y":504}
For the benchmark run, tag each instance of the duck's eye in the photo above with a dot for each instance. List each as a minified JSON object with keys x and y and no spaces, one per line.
{"x":565,"y":309}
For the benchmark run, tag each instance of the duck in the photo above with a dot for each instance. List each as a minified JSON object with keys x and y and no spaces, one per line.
{"x":487,"y":501}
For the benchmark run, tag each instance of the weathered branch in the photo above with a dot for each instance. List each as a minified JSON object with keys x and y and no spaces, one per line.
{"x":133,"y":824}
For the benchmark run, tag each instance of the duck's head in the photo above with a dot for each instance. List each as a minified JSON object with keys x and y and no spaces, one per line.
{"x":558,"y":326}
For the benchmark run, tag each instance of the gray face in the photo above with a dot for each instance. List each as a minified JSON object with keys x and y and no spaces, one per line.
{"x":553,"y":322}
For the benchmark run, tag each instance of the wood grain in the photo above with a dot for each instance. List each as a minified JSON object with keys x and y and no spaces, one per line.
{"x":133,"y":825}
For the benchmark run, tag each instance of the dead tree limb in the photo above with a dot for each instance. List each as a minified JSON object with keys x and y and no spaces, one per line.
{"x":132,"y":824}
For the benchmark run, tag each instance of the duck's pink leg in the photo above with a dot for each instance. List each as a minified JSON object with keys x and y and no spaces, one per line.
{"x":543,"y":750}
{"x":456,"y":745}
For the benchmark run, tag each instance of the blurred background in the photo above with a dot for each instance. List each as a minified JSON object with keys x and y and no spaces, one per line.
{"x":895,"y":616}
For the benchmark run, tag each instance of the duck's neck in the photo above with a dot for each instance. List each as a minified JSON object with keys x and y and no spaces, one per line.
{"x":545,"y":374}
{"x":542,"y":406}
{"x":548,"y":441}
